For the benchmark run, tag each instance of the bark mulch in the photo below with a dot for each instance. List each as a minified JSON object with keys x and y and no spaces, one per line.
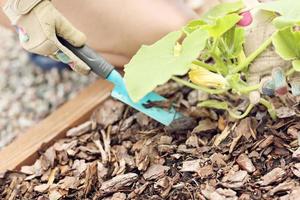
{"x":121,"y":154}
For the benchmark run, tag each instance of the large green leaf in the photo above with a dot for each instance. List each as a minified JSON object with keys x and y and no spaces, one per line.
{"x":155,"y":64}
{"x":287,"y":43}
{"x":289,"y":11}
{"x":223,"y":9}
{"x":222,"y":25}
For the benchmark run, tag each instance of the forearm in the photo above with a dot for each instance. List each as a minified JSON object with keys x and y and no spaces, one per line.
{"x":2,"y":2}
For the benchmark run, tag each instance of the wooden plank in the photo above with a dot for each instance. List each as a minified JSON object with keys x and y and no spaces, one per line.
{"x":23,"y":151}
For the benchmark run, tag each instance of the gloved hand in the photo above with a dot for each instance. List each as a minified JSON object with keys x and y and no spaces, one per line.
{"x":38,"y":24}
{"x":268,"y":69}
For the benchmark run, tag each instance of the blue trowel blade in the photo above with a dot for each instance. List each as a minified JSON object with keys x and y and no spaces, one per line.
{"x":163,"y":116}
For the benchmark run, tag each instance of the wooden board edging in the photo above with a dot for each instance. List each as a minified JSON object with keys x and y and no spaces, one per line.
{"x":23,"y":151}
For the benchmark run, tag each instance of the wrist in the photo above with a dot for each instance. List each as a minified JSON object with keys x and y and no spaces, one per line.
{"x":14,"y":9}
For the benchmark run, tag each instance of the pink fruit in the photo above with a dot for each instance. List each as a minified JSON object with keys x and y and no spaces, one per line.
{"x":246,"y":18}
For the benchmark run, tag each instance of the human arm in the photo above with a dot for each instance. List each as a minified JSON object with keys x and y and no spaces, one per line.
{"x":116,"y":29}
{"x":38,"y":24}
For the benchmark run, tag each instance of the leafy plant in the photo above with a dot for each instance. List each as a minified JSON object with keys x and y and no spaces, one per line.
{"x":156,"y":64}
{"x":287,"y":11}
{"x":287,"y":45}
{"x":218,"y":38}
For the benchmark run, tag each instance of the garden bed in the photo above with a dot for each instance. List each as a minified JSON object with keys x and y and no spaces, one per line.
{"x":122,"y":154}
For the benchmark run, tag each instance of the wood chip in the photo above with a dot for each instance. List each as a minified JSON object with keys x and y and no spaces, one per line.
{"x":273,"y":176}
{"x":81,"y":129}
{"x":155,"y":171}
{"x":296,"y":169}
{"x":118,"y":182}
{"x":41,"y":188}
{"x":282,"y":187}
{"x":206,"y":171}
{"x":191,"y":166}
{"x":245,"y":163}
{"x":192,"y":141}
{"x":110,"y":112}
{"x":205,"y":125}
{"x":118,"y":196}
{"x":54,"y":195}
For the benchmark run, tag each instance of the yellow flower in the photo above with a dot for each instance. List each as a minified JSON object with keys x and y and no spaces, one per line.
{"x":203,"y":77}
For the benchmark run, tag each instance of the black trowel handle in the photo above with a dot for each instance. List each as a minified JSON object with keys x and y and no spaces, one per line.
{"x":97,"y":64}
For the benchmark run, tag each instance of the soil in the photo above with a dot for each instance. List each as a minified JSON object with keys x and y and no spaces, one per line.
{"x":122,"y":154}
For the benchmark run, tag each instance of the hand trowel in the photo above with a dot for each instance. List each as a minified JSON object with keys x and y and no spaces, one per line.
{"x":104,"y":69}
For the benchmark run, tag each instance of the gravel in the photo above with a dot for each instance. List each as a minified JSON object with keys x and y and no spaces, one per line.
{"x":27,"y":93}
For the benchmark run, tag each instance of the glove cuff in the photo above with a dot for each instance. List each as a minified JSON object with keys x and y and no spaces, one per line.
{"x":14,"y":9}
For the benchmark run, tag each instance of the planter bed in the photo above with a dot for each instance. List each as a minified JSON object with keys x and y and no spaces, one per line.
{"x":121,"y":154}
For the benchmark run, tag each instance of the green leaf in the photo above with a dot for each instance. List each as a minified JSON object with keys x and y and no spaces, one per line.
{"x":289,"y":11}
{"x":213,"y":18}
{"x":222,"y":25}
{"x":296,"y":65}
{"x":155,"y":64}
{"x":193,"y":25}
{"x":214,"y":104}
{"x":223,"y":9}
{"x":233,"y":41}
{"x":287,"y":43}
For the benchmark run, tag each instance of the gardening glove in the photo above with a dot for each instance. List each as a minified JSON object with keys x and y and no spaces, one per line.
{"x":268,"y":69}
{"x":38,"y":25}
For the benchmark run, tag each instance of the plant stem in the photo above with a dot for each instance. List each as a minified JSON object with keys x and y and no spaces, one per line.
{"x":235,"y":116}
{"x":217,"y":58}
{"x":290,"y":72}
{"x":204,"y":65}
{"x":253,"y":55}
{"x":270,"y":108}
{"x":215,"y":44}
{"x":193,"y":86}
{"x":249,"y":88}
